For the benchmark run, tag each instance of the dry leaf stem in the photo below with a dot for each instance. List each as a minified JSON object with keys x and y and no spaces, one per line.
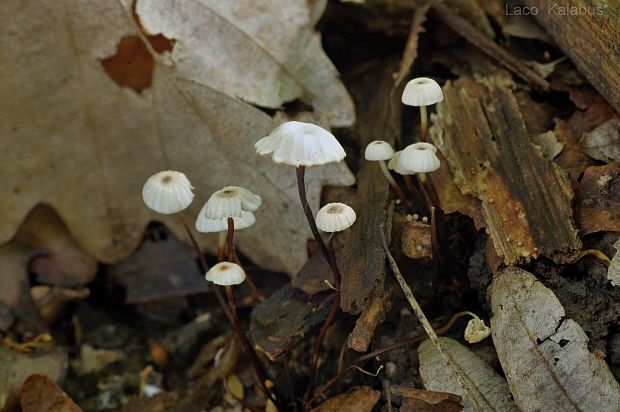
{"x":428,"y":328}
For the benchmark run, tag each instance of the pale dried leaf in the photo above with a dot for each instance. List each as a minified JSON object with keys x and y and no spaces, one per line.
{"x":545,"y":357}
{"x":492,"y":391}
{"x":93,"y":143}
{"x":613,"y":272}
{"x":548,"y":144}
{"x":603,"y":143}
{"x":362,"y":399}
{"x":265,"y":53}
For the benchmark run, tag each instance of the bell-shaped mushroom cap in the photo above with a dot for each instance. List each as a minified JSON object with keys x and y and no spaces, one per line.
{"x":378,"y":150}
{"x":205,"y":225}
{"x":335,"y":217}
{"x":422,"y":92}
{"x":230,"y":202}
{"x":394,"y":164}
{"x":226,"y":274}
{"x":167,"y":192}
{"x":300,"y":144}
{"x":476,"y":330}
{"x":419,"y":158}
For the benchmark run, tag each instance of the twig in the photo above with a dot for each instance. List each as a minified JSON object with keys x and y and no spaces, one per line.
{"x":488,"y":46}
{"x":428,"y":328}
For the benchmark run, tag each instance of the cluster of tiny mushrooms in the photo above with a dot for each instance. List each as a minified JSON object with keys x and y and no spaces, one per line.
{"x":301,"y":145}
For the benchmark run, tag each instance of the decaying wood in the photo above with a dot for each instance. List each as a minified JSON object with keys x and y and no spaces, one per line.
{"x":526,"y":199}
{"x":487,"y":45}
{"x":284,"y":318}
{"x":363,"y":261}
{"x":589,"y":36}
{"x":362,"y":334}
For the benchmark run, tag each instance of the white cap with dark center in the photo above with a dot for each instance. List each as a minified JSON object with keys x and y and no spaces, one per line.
{"x":378,"y":150}
{"x":422,"y":92}
{"x":226,"y":274}
{"x":419,"y":158}
{"x":335,"y":217}
{"x":167,"y":192}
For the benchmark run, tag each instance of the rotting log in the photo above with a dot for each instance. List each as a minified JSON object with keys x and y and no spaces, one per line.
{"x":526,"y":199}
{"x":373,"y":316}
{"x":587,"y":31}
{"x":363,"y":262}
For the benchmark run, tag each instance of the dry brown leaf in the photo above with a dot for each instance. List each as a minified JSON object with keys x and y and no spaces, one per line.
{"x":59,"y":261}
{"x":40,"y":394}
{"x":603,"y":143}
{"x":362,"y":399}
{"x":544,"y":355}
{"x":418,"y":400}
{"x":17,"y":367}
{"x":93,"y":143}
{"x":598,"y":208}
{"x":491,"y":389}
{"x":613,"y":272}
{"x":264,"y":53}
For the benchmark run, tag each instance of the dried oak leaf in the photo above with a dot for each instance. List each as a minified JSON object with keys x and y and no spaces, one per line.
{"x":74,"y":139}
{"x":603,"y":143}
{"x":40,"y":394}
{"x":362,"y":399}
{"x":544,"y":355}
{"x":491,"y":389}
{"x":598,"y":206}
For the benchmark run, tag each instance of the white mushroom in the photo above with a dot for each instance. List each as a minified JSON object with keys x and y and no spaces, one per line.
{"x":167,"y":192}
{"x":419,"y":158}
{"x":226,"y":274}
{"x":230,"y":202}
{"x":422,"y":92}
{"x":335,"y":217}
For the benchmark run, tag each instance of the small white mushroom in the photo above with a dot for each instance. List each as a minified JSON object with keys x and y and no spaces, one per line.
{"x":225,"y":274}
{"x":476,"y":330}
{"x":205,"y":225}
{"x":335,"y":217}
{"x":419,"y":158}
{"x":422,"y":92}
{"x":167,"y":192}
{"x":230,"y":202}
{"x":300,"y":144}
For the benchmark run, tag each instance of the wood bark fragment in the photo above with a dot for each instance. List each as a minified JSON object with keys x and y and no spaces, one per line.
{"x":598,"y":208}
{"x":589,"y":37}
{"x":526,"y":199}
{"x":284,"y":318}
{"x":363,"y":262}
{"x":362,"y":334}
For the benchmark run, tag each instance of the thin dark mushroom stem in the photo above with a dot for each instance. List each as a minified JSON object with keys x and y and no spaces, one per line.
{"x":230,"y":234}
{"x":423,"y":123}
{"x":395,"y":186}
{"x":205,"y":268}
{"x":330,"y":317}
{"x":415,"y":191}
{"x":301,"y":188}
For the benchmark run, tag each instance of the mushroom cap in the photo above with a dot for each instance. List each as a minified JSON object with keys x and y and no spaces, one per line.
{"x":378,"y":150}
{"x":205,"y":225}
{"x":167,"y":192}
{"x":230,"y":202}
{"x":226,"y":274}
{"x":419,"y":158}
{"x":422,"y":91}
{"x":394,"y":164}
{"x":335,"y":217}
{"x":300,"y":144}
{"x":476,"y":330}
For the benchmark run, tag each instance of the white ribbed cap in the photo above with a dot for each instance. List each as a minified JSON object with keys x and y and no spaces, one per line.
{"x":205,"y":225}
{"x":230,"y":202}
{"x":335,"y":217}
{"x":422,"y":92}
{"x":225,"y":274}
{"x":167,"y":192}
{"x":394,"y":164}
{"x":476,"y":330}
{"x":300,"y":144}
{"x":378,"y":150}
{"x":419,"y":158}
